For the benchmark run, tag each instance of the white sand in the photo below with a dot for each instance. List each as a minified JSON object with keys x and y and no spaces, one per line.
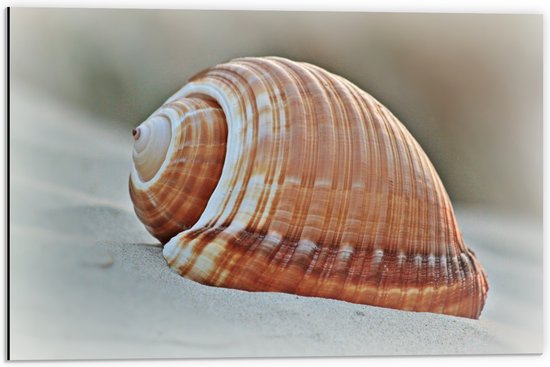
{"x":87,"y":280}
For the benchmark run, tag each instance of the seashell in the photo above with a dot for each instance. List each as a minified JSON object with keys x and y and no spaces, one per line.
{"x":265,"y":174}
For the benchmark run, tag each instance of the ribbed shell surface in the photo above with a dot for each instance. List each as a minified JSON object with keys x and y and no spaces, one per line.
{"x":323,"y":192}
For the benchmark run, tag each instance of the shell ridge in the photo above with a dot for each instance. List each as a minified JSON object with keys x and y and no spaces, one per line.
{"x":241,"y":168}
{"x":358,"y":255}
{"x":271,"y":87}
{"x":393,"y":176}
{"x":275,"y":107}
{"x":319,"y":89}
{"x":346,"y":112}
{"x":363,"y":243}
{"x":225,"y":98}
{"x":347,"y":115}
{"x":425,"y":274}
{"x":323,"y":86}
{"x":251,"y":138}
{"x":273,"y":231}
{"x":412,"y":206}
{"x":299,"y":118}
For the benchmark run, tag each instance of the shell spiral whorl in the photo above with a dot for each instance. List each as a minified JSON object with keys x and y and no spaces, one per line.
{"x":176,"y":169}
{"x":272,"y":175}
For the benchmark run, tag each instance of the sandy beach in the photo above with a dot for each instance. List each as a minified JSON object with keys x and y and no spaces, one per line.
{"x":88,"y":281}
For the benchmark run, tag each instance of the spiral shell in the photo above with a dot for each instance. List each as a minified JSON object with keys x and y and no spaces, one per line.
{"x":265,"y":174}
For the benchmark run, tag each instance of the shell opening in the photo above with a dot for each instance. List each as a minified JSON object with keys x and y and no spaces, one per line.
{"x":151,"y":142}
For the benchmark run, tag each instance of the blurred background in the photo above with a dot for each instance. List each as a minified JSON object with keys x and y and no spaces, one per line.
{"x":87,"y":280}
{"x":467,"y":86}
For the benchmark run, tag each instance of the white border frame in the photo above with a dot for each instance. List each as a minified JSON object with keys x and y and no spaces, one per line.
{"x":417,"y":6}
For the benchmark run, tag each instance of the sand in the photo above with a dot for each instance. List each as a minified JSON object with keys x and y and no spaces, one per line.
{"x":87,"y":280}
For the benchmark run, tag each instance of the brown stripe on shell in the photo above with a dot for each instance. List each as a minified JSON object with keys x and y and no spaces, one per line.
{"x":323,"y":192}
